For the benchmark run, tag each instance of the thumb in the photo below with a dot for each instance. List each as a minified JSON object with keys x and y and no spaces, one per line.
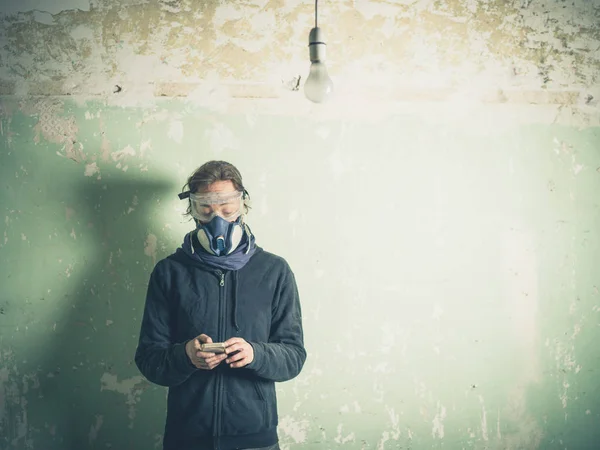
{"x":203,"y":338}
{"x":197,"y":344}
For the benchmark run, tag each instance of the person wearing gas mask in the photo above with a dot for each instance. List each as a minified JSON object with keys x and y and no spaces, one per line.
{"x":220,"y":292}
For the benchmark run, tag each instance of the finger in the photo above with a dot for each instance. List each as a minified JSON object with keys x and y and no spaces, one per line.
{"x":238,"y":347}
{"x":237,"y":357}
{"x":204,"y":355}
{"x":232,"y":341}
{"x":234,"y":347}
{"x":203,"y":364}
{"x":208,"y":361}
{"x":213,"y":358}
{"x":240,"y":363}
{"x":214,"y":364}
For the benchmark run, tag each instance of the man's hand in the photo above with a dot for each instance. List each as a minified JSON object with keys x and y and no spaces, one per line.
{"x":239,"y":352}
{"x":200,"y":359}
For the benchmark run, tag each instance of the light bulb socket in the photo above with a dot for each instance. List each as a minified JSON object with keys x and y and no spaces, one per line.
{"x":316,"y":45}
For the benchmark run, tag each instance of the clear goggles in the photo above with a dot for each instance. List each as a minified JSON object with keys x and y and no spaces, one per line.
{"x":227,"y":205}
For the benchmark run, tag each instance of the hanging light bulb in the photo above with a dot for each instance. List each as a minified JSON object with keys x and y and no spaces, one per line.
{"x":318,"y":86}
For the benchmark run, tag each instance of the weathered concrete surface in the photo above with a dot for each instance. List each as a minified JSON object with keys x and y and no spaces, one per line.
{"x":441,"y":214}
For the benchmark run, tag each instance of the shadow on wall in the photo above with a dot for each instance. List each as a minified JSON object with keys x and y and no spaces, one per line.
{"x":92,"y":386}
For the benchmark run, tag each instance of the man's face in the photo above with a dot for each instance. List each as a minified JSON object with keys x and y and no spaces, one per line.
{"x":229,"y":205}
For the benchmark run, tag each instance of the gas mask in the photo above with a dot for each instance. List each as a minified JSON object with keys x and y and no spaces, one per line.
{"x":219,"y":220}
{"x":220,"y":237}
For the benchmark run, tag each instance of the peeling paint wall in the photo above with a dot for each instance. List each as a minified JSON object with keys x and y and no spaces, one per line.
{"x":419,"y":49}
{"x":441,"y":214}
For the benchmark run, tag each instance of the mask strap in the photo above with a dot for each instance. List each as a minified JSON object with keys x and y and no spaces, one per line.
{"x":250,"y":235}
{"x":192,"y":243}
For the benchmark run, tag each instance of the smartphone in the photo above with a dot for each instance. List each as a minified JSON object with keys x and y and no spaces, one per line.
{"x":216,"y":347}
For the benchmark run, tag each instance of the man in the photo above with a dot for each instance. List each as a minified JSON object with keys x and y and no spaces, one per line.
{"x":219,"y":287}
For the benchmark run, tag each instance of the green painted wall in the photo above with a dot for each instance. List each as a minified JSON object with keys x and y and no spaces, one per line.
{"x":448,"y":271}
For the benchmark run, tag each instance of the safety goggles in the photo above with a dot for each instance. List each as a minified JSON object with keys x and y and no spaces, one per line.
{"x":205,"y":206}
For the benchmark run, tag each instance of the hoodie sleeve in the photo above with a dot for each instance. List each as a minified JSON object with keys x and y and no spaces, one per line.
{"x":158,"y":358}
{"x":282,"y":358}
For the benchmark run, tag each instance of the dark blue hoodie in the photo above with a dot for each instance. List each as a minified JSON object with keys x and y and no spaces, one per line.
{"x":223,"y":408}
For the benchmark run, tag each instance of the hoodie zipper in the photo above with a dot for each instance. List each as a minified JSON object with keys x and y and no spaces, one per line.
{"x":219,"y":402}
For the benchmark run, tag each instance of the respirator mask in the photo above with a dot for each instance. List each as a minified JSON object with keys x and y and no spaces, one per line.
{"x":219,"y":219}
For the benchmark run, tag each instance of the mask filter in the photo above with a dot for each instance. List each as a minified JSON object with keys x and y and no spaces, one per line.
{"x":220,"y":237}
